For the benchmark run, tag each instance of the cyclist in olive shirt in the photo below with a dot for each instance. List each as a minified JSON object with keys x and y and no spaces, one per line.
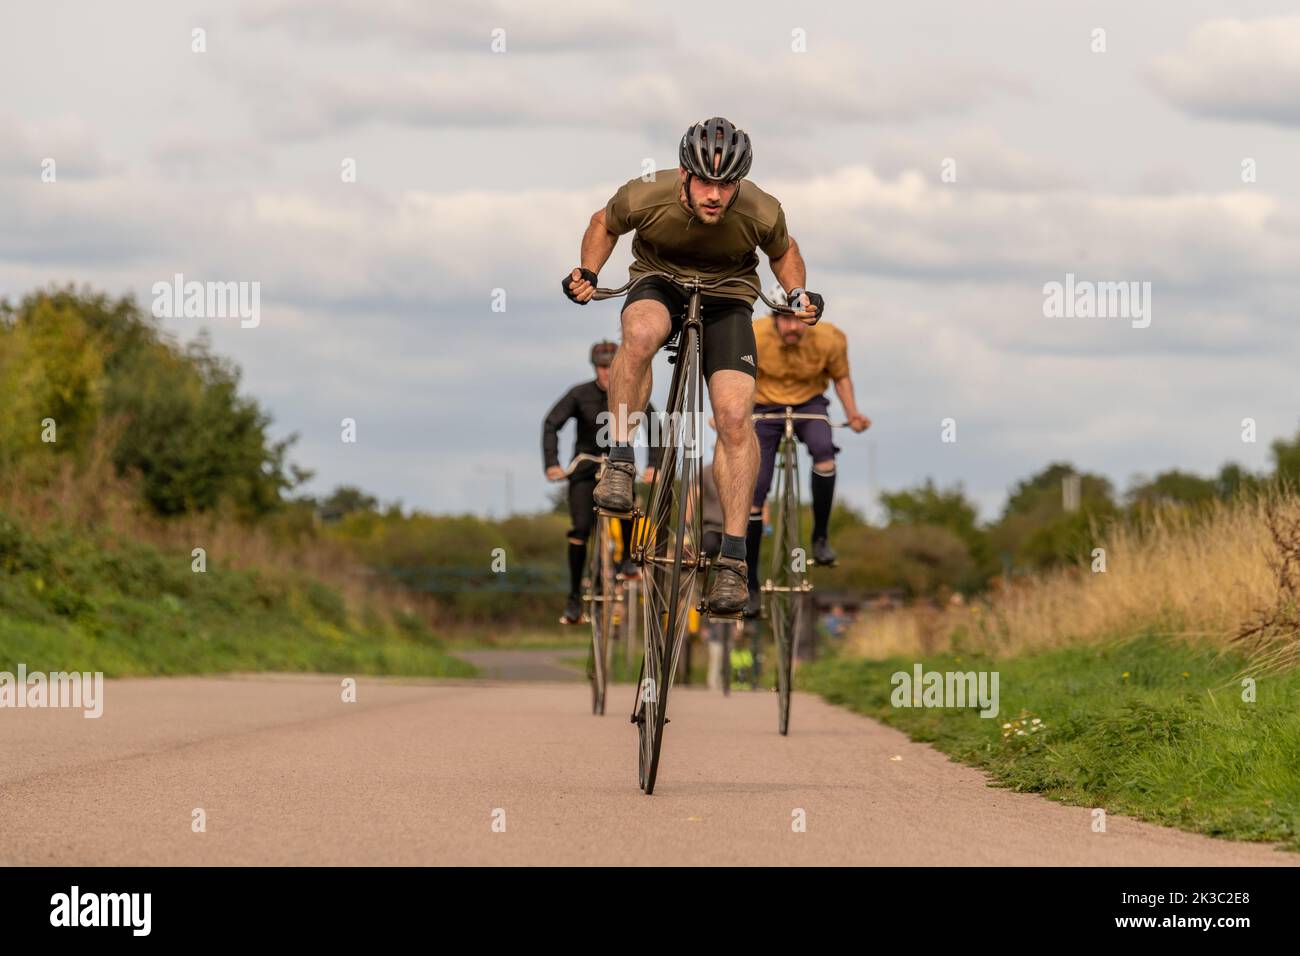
{"x":702,"y":219}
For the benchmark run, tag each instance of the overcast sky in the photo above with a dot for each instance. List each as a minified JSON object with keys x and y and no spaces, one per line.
{"x":477,"y":170}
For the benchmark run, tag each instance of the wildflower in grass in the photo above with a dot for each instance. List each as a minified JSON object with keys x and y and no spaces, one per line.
{"x":1023,"y":726}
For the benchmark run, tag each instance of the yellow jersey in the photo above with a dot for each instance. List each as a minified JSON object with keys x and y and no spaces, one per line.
{"x":793,"y":374}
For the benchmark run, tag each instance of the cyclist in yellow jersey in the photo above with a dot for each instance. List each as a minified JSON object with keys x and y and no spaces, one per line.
{"x":795,"y":363}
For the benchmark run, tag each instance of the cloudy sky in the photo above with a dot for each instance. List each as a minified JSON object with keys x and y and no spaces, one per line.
{"x":477,"y":170}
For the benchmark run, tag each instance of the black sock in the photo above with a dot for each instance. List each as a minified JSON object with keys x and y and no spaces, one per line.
{"x":625,"y":525}
{"x":621,"y":451}
{"x":733,"y":546}
{"x":823,"y":493}
{"x":577,"y":561}
{"x":754,"y":541}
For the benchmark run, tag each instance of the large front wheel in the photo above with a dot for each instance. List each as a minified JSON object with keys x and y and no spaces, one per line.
{"x":671,"y":557}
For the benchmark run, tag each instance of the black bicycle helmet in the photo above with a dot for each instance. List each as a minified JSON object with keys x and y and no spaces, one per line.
{"x":716,"y":151}
{"x":602,"y":353}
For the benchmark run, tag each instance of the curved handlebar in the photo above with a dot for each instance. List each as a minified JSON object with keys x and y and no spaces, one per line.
{"x":693,"y":284}
{"x":782,"y":416}
{"x":578,"y":460}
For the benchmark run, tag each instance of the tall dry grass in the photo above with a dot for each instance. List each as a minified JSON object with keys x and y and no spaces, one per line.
{"x":1217,"y":576}
{"x":84,"y":492}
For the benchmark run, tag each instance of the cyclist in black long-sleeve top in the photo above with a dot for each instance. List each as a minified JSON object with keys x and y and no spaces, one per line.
{"x":588,"y":405}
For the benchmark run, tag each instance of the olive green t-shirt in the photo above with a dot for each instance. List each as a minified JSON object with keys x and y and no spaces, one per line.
{"x":669,"y":239}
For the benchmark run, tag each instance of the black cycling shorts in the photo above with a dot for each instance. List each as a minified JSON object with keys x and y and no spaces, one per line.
{"x":728,"y":324}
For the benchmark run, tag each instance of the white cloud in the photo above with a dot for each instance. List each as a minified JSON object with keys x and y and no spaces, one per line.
{"x":658,"y":93}
{"x":914,"y":225}
{"x":1236,"y":70}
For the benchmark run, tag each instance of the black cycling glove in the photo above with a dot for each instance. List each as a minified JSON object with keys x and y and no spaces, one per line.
{"x":814,"y":300}
{"x":568,"y":284}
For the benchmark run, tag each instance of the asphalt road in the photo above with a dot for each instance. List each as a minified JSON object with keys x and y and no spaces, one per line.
{"x":484,"y":772}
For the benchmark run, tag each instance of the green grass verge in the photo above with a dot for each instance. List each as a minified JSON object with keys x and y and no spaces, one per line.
{"x":70,"y":601}
{"x":1148,"y":728}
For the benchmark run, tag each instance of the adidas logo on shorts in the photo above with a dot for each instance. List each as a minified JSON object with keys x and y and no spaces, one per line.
{"x":747,"y":358}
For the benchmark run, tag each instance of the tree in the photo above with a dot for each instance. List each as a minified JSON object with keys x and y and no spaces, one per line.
{"x":345,"y":499}
{"x":942,"y":508}
{"x":927,"y":504}
{"x":1036,"y":531}
{"x":1286,"y":459}
{"x":1173,"y":487}
{"x":1041,"y":494}
{"x":90,"y":362}
{"x":1233,"y":480}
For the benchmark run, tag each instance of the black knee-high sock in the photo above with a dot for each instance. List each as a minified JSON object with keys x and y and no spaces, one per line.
{"x":577,"y":561}
{"x":823,"y":493}
{"x":753,"y":541}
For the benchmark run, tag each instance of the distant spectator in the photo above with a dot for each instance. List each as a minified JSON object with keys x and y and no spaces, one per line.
{"x":836,"y":622}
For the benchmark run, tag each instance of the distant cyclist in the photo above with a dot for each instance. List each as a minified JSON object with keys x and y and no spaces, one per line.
{"x":794,"y":364}
{"x":584,"y":403}
{"x":701,"y":219}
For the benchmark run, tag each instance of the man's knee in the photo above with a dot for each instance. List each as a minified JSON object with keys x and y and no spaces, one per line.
{"x":734,"y":424}
{"x":645,"y":327}
{"x":732,"y":396}
{"x":826,"y":468}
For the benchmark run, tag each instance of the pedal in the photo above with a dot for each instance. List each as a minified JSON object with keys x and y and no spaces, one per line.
{"x":738,"y":616}
{"x":618,"y":515}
